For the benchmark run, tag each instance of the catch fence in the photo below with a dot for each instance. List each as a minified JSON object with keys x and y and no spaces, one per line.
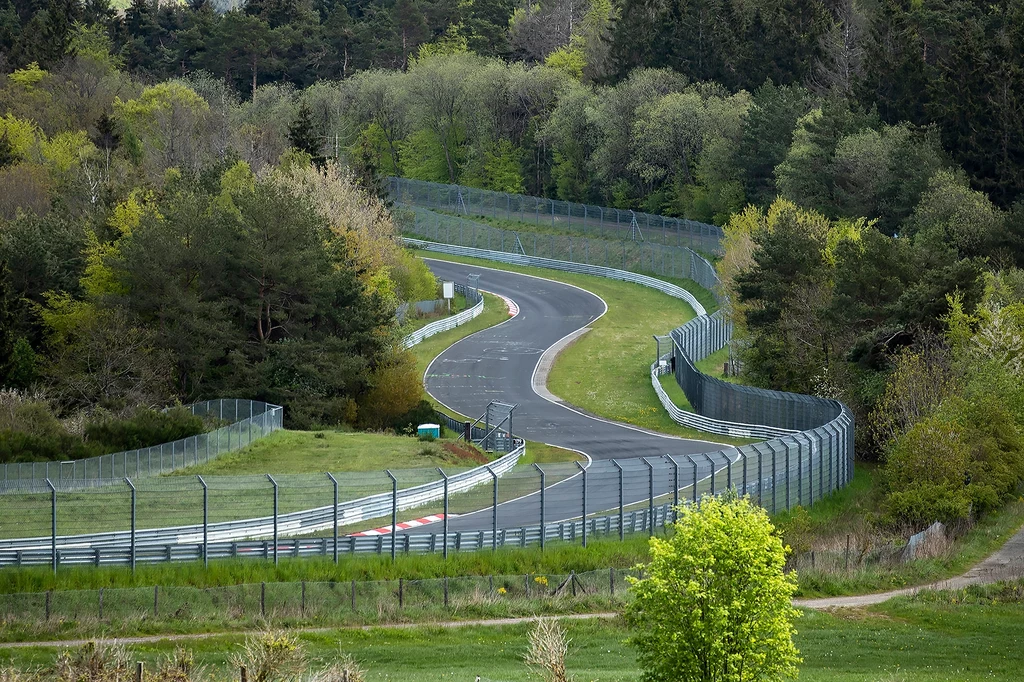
{"x":249,"y":420}
{"x":567,"y":216}
{"x":626,"y":261}
{"x":483,"y":508}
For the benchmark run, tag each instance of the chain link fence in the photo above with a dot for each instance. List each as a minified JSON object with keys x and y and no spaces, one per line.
{"x":483,"y":508}
{"x":592,"y":221}
{"x":249,"y":420}
{"x":677,"y":262}
{"x":317,"y":602}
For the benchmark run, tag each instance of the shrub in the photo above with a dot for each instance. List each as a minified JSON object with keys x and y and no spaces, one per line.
{"x":271,"y":657}
{"x":715,"y":603}
{"x":18,"y":446}
{"x":144,"y":428}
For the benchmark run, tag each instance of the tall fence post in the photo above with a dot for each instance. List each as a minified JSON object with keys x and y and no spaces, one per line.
{"x":134,"y":500}
{"x":334,"y":483}
{"x":53,"y":524}
{"x":744,"y":456}
{"x":622,"y":513}
{"x":494,"y":510}
{"x":274,"y":483}
{"x":206,"y":522}
{"x":444,"y":518}
{"x":650,"y":497}
{"x":583,"y":471}
{"x":675,"y":487}
{"x":712,"y":463}
{"x":543,"y":531}
{"x":694,"y":463}
{"x":394,"y":510}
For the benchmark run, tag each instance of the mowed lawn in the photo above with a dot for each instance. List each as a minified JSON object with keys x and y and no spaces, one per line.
{"x":901,"y":640}
{"x":313,"y":452}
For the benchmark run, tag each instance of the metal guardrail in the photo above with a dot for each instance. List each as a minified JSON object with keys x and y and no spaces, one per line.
{"x":473,"y":297}
{"x":251,"y":420}
{"x":585,"y":219}
{"x":702,"y":423}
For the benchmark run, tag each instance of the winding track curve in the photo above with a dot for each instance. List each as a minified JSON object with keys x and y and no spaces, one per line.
{"x":499,"y":363}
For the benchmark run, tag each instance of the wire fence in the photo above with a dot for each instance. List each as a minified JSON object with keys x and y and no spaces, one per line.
{"x":729,"y":402}
{"x":250,"y":421}
{"x":676,"y":262}
{"x":487,"y":507}
{"x":327,"y":602}
{"x":583,"y":219}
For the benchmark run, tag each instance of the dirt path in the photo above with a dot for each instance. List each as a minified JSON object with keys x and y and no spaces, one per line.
{"x":1007,"y":562}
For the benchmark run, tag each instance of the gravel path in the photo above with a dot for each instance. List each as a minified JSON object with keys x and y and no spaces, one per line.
{"x":1007,"y":562}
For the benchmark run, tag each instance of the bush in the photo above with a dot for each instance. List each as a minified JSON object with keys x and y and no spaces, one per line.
{"x":19,"y":446}
{"x":144,"y":428}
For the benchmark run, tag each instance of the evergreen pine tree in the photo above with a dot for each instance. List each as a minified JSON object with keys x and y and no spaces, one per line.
{"x":304,"y":138}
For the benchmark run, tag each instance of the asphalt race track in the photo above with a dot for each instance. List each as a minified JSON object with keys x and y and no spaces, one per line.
{"x":499,"y":363}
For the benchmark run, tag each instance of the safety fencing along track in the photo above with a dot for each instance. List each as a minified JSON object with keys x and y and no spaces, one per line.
{"x":624,"y":256}
{"x":250,"y":420}
{"x":607,"y":497}
{"x":811,"y":438}
{"x":594,"y":221}
{"x":334,"y":602}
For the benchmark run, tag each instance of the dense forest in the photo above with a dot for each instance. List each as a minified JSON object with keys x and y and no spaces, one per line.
{"x":948,"y":74}
{"x":189,"y":197}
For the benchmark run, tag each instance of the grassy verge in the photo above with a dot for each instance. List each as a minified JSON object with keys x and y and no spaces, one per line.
{"x":313,"y":452}
{"x":558,"y":557}
{"x":613,"y":235}
{"x":607,"y":372}
{"x":899,"y":641}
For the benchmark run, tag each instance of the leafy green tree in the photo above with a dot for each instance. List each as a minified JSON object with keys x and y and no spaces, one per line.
{"x":8,"y":156}
{"x":883,"y":173}
{"x":714,"y":602}
{"x":782,"y":296}
{"x":951,"y":214}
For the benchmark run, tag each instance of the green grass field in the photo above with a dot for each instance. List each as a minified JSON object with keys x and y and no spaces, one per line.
{"x":313,"y":452}
{"x":908,"y":640}
{"x":527,"y":229}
